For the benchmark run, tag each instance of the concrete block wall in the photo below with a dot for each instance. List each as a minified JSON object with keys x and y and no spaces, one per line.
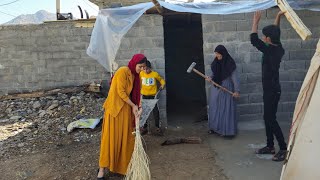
{"x":45,"y":56}
{"x":146,"y":36}
{"x":233,"y":31}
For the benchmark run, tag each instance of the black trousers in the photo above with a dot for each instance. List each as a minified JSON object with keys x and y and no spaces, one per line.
{"x":270,"y":101}
{"x":155,"y":112}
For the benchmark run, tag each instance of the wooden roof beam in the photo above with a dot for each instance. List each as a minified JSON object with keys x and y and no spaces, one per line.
{"x":158,"y":6}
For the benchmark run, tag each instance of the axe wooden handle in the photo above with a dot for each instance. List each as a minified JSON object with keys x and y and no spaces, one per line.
{"x":214,"y":83}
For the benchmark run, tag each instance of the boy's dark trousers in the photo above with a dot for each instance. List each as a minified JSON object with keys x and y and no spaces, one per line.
{"x":270,"y":101}
{"x":155,"y":112}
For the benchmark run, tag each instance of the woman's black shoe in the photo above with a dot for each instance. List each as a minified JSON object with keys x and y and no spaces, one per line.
{"x":100,"y":178}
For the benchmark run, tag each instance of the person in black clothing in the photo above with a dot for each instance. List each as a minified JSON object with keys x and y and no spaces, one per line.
{"x":273,"y":52}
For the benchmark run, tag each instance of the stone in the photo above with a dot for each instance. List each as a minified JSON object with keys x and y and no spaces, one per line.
{"x":42,"y":113}
{"x":15,"y":118}
{"x":20,"y":145}
{"x":4,"y":120}
{"x":53,"y":105}
{"x":8,"y":110}
{"x":36,"y":105}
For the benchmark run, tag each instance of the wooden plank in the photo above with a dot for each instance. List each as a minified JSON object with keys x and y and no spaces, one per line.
{"x":158,"y":6}
{"x":294,"y":19}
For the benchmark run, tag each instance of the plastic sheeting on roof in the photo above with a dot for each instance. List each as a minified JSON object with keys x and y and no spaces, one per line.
{"x":112,"y":24}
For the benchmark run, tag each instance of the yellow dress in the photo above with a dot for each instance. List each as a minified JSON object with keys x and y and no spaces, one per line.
{"x":117,"y":140}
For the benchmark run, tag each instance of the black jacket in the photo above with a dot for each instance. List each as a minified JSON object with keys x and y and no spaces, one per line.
{"x":272,"y":55}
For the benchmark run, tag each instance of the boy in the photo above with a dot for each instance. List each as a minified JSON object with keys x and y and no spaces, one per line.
{"x":149,"y":89}
{"x":273,"y":52}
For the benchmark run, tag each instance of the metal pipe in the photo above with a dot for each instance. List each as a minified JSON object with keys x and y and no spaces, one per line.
{"x":57,"y":8}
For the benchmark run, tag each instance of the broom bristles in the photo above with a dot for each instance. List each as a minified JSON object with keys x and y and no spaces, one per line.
{"x":138,"y":168}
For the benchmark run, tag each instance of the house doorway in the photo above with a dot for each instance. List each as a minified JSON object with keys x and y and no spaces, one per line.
{"x":183,"y":42}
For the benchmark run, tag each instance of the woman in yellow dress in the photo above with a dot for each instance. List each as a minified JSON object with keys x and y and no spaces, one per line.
{"x":117,"y":140}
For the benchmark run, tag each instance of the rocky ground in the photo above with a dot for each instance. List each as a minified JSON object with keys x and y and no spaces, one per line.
{"x":34,"y":142}
{"x":28,"y":123}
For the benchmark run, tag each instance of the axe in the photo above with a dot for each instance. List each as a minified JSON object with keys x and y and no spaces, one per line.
{"x":191,"y":68}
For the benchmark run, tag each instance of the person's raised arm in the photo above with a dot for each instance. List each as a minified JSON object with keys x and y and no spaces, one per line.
{"x":278,"y":17}
{"x":255,"y":41}
{"x":255,"y":22}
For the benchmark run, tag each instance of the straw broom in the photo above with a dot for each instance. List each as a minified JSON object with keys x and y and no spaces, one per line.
{"x":138,"y":168}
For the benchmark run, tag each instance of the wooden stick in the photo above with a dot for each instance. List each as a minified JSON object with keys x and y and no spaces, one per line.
{"x":158,"y":6}
{"x":294,"y":20}
{"x":214,"y":83}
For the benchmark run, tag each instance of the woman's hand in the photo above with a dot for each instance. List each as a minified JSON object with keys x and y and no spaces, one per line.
{"x":236,"y":95}
{"x":208,"y":78}
{"x":135,"y":110}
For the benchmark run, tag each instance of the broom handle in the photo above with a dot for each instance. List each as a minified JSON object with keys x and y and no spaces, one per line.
{"x":214,"y":83}
{"x":137,"y":119}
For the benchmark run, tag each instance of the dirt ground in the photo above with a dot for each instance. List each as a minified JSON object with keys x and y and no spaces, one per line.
{"x":63,"y":156}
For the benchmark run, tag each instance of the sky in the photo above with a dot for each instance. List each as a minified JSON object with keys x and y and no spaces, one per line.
{"x":18,"y":7}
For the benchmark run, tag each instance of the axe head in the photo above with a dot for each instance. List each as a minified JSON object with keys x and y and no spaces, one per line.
{"x":191,"y":67}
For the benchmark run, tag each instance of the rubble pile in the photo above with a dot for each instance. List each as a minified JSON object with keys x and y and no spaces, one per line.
{"x":42,"y":121}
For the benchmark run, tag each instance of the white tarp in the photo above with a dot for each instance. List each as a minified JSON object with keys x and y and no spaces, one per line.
{"x":304,"y":142}
{"x":112,"y":24}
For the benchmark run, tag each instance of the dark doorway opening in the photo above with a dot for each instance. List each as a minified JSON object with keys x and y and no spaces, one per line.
{"x":183,"y":41}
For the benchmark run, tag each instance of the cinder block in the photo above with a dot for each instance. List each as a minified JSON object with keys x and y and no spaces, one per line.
{"x":288,"y":96}
{"x":291,"y":86}
{"x":251,"y":88}
{"x":250,"y":117}
{"x":300,"y":55}
{"x":242,"y":78}
{"x":256,"y":98}
{"x":225,"y":26}
{"x":159,"y":63}
{"x":286,"y":106}
{"x":156,"y":53}
{"x":294,"y":44}
{"x":158,"y":42}
{"x":231,"y":17}
{"x":145,"y":20}
{"x":135,"y":32}
{"x":244,"y":99}
{"x":141,"y":43}
{"x":243,"y":36}
{"x":284,"y":116}
{"x":156,"y":31}
{"x":309,"y":44}
{"x":251,"y":67}
{"x":292,"y":75}
{"x":157,"y":20}
{"x":250,"y":108}
{"x":211,"y":18}
{"x":244,"y":25}
{"x":207,"y":28}
{"x":214,"y":38}
{"x":254,"y":77}
{"x":230,"y":36}
{"x":288,"y":65}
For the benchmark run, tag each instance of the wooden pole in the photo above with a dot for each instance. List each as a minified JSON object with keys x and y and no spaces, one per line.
{"x":294,"y":19}
{"x":158,"y":6}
